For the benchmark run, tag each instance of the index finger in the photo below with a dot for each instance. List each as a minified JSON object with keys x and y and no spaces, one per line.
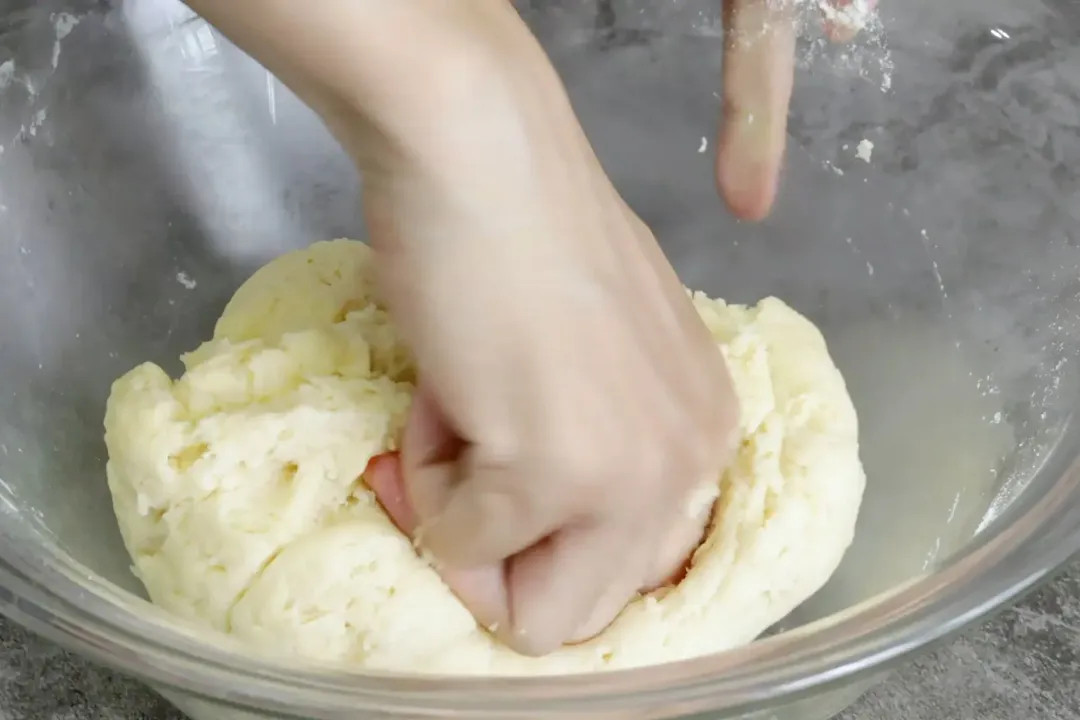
{"x":759,"y":62}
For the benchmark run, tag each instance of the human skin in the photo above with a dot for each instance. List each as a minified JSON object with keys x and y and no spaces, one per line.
{"x":570,"y":400}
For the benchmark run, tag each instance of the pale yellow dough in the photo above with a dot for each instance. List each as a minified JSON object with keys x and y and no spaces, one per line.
{"x":237,"y":487}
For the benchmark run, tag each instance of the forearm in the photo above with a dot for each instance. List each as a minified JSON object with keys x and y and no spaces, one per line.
{"x":341,"y":46}
{"x":389,"y":64}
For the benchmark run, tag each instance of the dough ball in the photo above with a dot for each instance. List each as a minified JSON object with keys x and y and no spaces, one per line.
{"x":238,"y":487}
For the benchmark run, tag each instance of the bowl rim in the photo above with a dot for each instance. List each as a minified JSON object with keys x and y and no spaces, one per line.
{"x":81,"y":611}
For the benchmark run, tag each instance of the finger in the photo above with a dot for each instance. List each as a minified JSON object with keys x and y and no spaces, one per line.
{"x":429,"y":451}
{"x":555,"y":587}
{"x":844,"y":19}
{"x":482,"y":590}
{"x":679,"y":539}
{"x":495,"y":512}
{"x":759,"y":60}
{"x":383,"y":476}
{"x":682,"y":538}
{"x":471,"y":513}
{"x":608,"y":607}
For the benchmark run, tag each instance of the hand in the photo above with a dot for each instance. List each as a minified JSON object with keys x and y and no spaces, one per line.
{"x":571,"y":400}
{"x":572,"y":403}
{"x":759,"y":63}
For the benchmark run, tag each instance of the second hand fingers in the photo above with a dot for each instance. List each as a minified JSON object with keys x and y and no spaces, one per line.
{"x":759,"y":59}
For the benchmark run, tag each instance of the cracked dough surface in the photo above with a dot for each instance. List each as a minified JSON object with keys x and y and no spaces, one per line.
{"x":238,"y":489}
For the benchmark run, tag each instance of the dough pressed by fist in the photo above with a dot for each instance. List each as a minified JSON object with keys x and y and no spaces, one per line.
{"x":239,"y":493}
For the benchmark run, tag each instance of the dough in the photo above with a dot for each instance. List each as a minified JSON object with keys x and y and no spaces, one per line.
{"x":238,"y":487}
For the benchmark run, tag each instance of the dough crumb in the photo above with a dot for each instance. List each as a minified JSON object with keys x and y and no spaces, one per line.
{"x":865,"y":150}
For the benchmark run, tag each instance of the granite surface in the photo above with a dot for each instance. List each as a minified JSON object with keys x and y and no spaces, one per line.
{"x":1024,"y":664}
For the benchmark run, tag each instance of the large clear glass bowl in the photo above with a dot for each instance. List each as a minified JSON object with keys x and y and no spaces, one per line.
{"x":148,"y":167}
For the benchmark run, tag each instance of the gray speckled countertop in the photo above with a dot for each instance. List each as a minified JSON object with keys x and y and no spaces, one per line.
{"x":1022,"y":665}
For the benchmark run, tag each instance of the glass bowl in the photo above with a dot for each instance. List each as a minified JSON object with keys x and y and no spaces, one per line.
{"x":928,"y":222}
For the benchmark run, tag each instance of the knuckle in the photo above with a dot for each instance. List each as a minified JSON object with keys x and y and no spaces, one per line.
{"x":581,"y":457}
